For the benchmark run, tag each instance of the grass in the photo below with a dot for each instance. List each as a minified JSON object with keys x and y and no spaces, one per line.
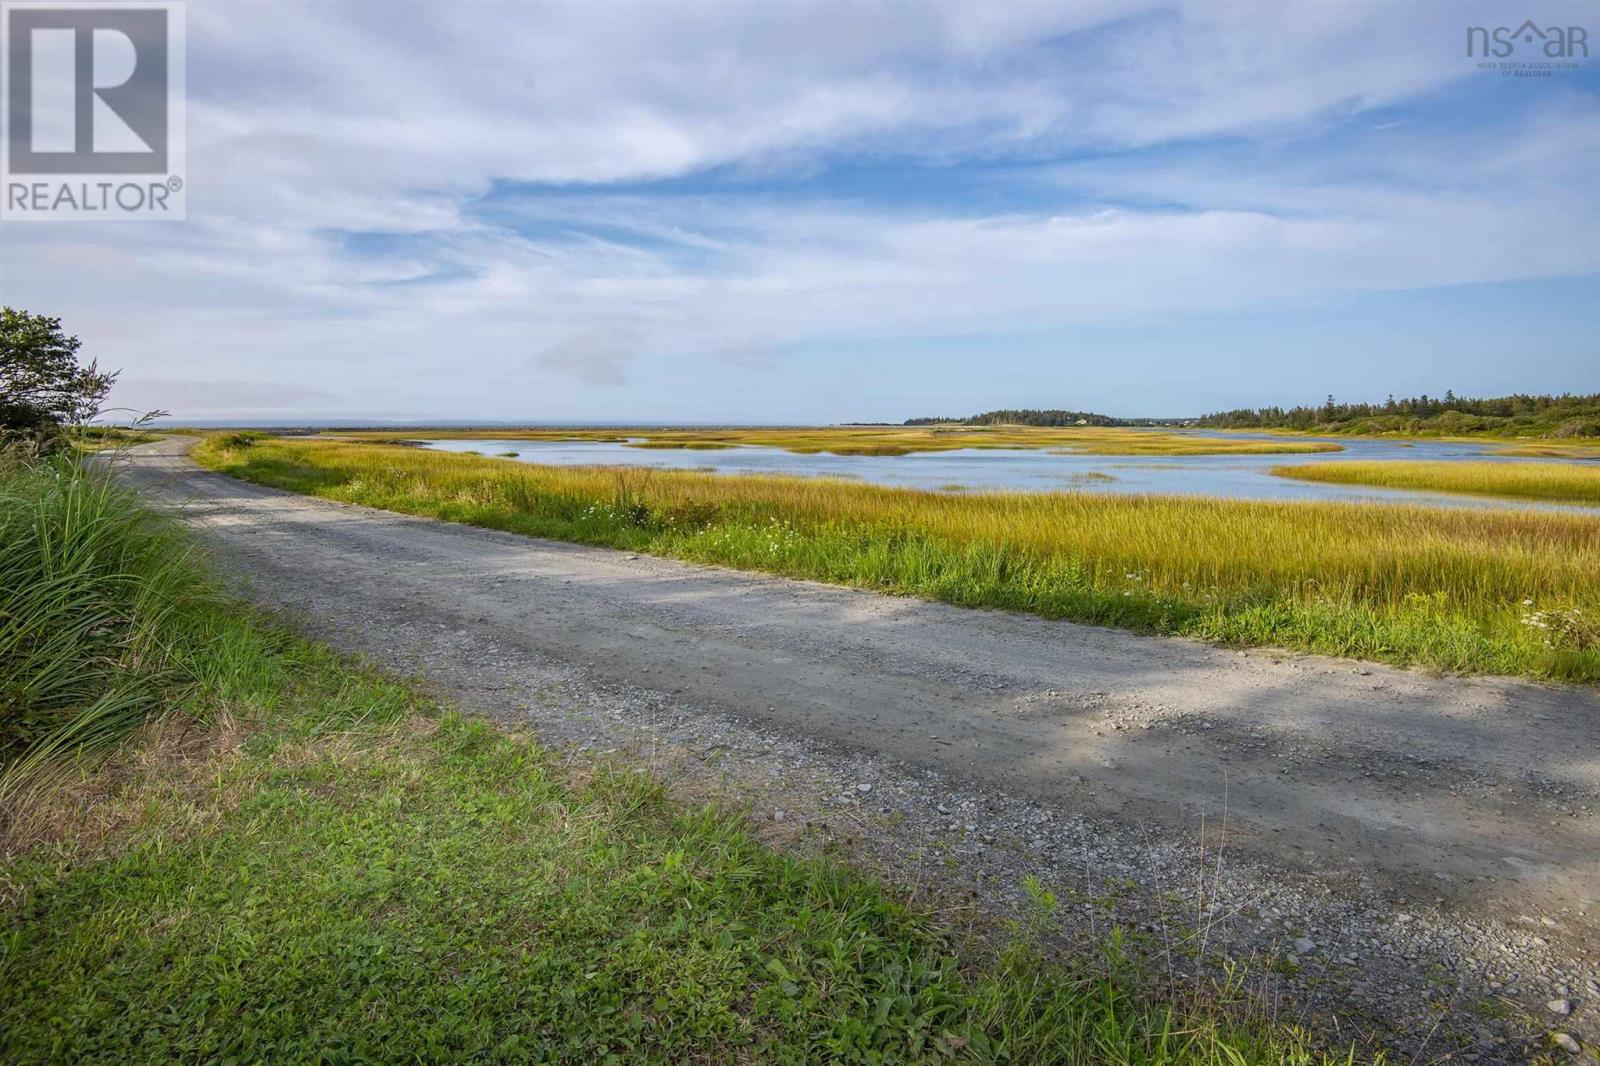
{"x":1560,"y":482}
{"x":93,"y":591}
{"x":893,"y":440}
{"x":1451,"y":588}
{"x":1494,"y":444}
{"x":101,"y":438}
{"x":1554,"y":450}
{"x":295,"y":859}
{"x":385,"y":890}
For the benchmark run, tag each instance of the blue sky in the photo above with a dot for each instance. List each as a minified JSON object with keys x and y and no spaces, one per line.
{"x":833,"y":211}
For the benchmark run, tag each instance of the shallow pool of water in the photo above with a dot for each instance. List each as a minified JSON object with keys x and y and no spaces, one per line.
{"x":1037,"y":470}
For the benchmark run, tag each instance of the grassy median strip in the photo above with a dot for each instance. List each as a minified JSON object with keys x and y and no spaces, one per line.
{"x":1558,"y":482}
{"x":1476,"y":591}
{"x":268,"y":854}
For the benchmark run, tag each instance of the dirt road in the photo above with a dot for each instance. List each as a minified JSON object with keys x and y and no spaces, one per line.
{"x":1426,"y":816}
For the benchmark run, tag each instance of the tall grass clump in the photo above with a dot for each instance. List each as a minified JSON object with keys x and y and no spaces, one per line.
{"x":109,"y":620}
{"x":90,"y":586}
{"x":1451,"y":588}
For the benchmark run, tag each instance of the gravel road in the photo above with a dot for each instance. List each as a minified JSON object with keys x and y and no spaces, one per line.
{"x":1414,"y":859}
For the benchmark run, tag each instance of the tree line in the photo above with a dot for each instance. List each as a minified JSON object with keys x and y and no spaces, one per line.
{"x":1567,"y":415}
{"x":1521,"y":414}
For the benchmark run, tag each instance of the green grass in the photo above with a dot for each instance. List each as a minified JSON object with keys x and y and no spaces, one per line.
{"x":430,"y":891}
{"x":290,"y":858}
{"x":1561,"y":482}
{"x":1452,"y":588}
{"x":101,"y":438}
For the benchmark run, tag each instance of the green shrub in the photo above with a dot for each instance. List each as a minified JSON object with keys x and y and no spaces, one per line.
{"x":1578,"y":427}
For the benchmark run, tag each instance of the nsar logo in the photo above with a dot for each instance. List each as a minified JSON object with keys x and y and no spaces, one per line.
{"x":1552,"y":42}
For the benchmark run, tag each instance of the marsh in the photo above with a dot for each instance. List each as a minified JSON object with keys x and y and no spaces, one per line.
{"x":1015,"y":469}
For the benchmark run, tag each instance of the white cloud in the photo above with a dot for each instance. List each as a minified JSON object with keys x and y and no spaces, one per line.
{"x":313,"y":121}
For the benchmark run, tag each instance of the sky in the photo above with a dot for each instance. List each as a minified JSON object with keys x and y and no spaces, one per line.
{"x":777,"y":212}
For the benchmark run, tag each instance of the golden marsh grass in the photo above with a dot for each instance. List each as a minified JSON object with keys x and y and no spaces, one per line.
{"x":1449,"y":587}
{"x":1553,"y":450}
{"x":1562,"y":482}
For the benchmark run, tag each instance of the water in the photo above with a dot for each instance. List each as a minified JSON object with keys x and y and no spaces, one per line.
{"x":1244,"y":477}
